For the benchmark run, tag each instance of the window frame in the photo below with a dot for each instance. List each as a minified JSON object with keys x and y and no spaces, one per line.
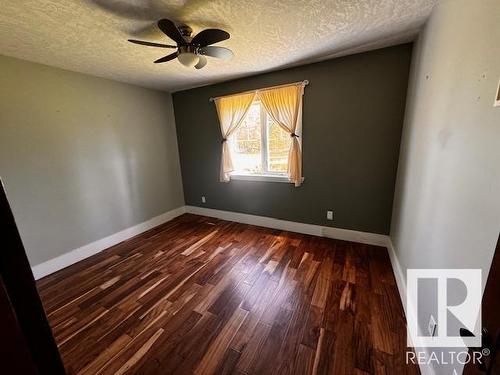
{"x":265,"y":175}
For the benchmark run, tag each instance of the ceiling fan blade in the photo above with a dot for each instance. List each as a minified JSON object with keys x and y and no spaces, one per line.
{"x":201,"y":63}
{"x":209,"y":36}
{"x":167,"y":58}
{"x":169,"y":28}
{"x":219,"y":52}
{"x":151,"y":44}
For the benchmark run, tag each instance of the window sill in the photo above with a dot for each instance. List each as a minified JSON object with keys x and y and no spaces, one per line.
{"x":260,"y":177}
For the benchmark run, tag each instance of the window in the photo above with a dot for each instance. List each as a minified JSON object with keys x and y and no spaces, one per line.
{"x":260,"y":147}
{"x":253,"y":146}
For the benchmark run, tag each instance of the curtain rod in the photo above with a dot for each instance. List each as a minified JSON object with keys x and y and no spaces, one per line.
{"x":303,"y":83}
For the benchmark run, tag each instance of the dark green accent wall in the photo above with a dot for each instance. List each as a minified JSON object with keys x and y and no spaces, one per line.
{"x":352,"y":119}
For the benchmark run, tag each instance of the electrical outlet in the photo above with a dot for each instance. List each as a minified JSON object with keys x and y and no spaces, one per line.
{"x":432,"y":327}
{"x":329,"y":215}
{"x":203,"y":199}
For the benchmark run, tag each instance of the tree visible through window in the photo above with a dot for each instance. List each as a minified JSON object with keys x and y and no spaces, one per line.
{"x":259,"y":145}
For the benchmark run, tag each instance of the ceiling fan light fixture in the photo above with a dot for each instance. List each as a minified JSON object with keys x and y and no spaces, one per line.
{"x":188,"y":59}
{"x":191,"y":51}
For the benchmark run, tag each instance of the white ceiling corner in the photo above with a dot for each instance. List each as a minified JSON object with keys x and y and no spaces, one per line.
{"x":90,"y":36}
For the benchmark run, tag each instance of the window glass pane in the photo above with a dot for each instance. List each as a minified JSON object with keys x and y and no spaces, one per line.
{"x":278,"y":145}
{"x":245,"y":143}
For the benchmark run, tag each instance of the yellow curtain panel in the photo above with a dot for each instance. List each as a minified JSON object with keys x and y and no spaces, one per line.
{"x":284,"y":105}
{"x":231,"y":111}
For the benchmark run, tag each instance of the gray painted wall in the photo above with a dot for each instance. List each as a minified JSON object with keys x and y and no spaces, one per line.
{"x":352,"y":121}
{"x":447,"y":201}
{"x":83,"y":157}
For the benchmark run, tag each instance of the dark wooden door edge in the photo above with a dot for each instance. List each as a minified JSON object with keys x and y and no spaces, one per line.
{"x":20,"y":286}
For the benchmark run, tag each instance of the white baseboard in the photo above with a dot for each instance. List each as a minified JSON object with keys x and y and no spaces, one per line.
{"x":90,"y":249}
{"x":76,"y":255}
{"x":292,"y":226}
{"x":356,"y":236}
{"x":398,"y":273}
{"x":425,"y":369}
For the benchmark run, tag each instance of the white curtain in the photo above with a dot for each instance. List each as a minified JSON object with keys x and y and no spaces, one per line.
{"x":284,"y":105}
{"x":231,"y":111}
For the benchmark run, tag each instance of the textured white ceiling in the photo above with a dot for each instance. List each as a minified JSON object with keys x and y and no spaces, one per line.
{"x":90,"y":36}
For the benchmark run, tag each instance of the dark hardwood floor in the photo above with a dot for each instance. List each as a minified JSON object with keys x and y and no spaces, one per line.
{"x":205,"y":296}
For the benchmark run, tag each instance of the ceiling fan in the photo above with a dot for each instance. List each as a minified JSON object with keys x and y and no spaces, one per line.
{"x":191,"y":51}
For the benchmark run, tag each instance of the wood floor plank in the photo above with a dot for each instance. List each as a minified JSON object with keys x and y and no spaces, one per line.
{"x":214,"y":355}
{"x":139,"y":354}
{"x":199,"y":295}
